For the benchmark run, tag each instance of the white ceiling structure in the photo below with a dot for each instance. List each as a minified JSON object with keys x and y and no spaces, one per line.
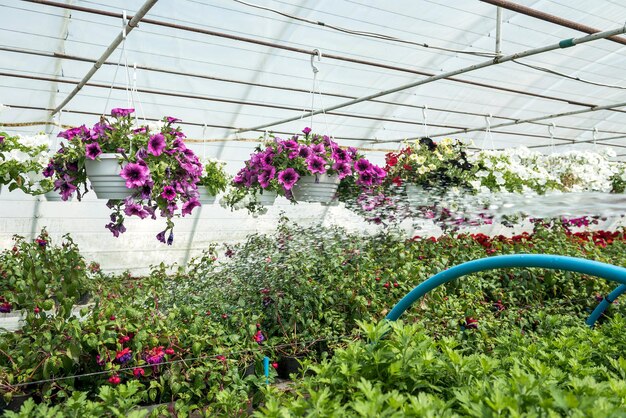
{"x":224,"y":66}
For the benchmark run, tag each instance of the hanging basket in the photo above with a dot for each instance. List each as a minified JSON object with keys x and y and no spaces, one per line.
{"x":204,"y":196}
{"x":266,"y":198}
{"x":53,"y":196}
{"x":320,"y":188}
{"x":104,"y":175}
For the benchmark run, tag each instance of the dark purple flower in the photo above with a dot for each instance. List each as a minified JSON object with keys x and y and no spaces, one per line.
{"x":116,"y":228}
{"x":99,"y":130}
{"x":306,"y":130}
{"x":189,"y":205}
{"x":141,"y":153}
{"x":179,"y":144}
{"x":146,"y":190}
{"x":305,"y":151}
{"x":168,"y":193}
{"x":65,"y":186}
{"x":124,"y":355}
{"x":141,"y":130}
{"x":362,"y":165}
{"x":288,"y":178}
{"x":5,"y":307}
{"x":1,"y":139}
{"x":316,"y":165}
{"x":42,"y":242}
{"x":291,"y":145}
{"x":72,"y":132}
{"x":340,"y":155}
{"x":161,"y":236}
{"x":93,"y":150}
{"x":170,"y":239}
{"x":49,"y":170}
{"x":119,"y":112}
{"x":156,"y":144}
{"x":266,"y":175}
{"x":172,"y":120}
{"x":343,"y":169}
{"x":135,"y":175}
{"x":365,"y":179}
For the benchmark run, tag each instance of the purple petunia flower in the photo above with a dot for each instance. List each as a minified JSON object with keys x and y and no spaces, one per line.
{"x":161,"y":236}
{"x":343,"y":169}
{"x":119,"y":112}
{"x":340,"y":155}
{"x":291,"y":145}
{"x":305,"y":151}
{"x":141,"y":130}
{"x":189,"y":205}
{"x":316,"y":165}
{"x":134,"y":209}
{"x":156,"y":144}
{"x":93,"y":150}
{"x":172,"y":120}
{"x":1,"y":139}
{"x":266,"y":175}
{"x":170,"y":239}
{"x":318,"y":148}
{"x":72,"y":132}
{"x":365,"y":179}
{"x":168,"y":193}
{"x":135,"y":175}
{"x":306,"y":130}
{"x":362,"y":165}
{"x":288,"y":178}
{"x":65,"y":186}
{"x":116,"y":228}
{"x":49,"y":170}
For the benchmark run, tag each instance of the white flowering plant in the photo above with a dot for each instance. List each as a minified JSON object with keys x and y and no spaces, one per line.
{"x":214,"y":177}
{"x":22,"y":159}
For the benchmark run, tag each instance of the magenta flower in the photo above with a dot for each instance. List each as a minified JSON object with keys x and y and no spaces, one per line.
{"x":288,"y":178}
{"x":365,"y":179}
{"x":1,"y":139}
{"x":172,"y":120}
{"x":119,"y":112}
{"x":189,"y":206}
{"x":318,"y":148}
{"x":306,"y":130}
{"x":316,"y":165}
{"x":362,"y":165}
{"x":161,"y":236}
{"x":124,"y":355}
{"x":340,"y":155}
{"x":72,"y":132}
{"x":93,"y":150}
{"x":343,"y":169}
{"x":141,"y":130}
{"x":135,"y":209}
{"x":291,"y":145}
{"x":116,"y":228}
{"x":5,"y":307}
{"x":156,"y":144}
{"x":168,"y":193}
{"x":305,"y":151}
{"x":49,"y":170}
{"x":266,"y":176}
{"x":135,"y":175}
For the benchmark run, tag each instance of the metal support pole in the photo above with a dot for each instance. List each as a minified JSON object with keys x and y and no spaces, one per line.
{"x":116,"y":42}
{"x":565,"y":43}
{"x":499,"y":32}
{"x":546,"y":17}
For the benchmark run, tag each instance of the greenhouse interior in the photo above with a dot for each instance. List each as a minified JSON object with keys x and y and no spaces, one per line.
{"x":297,"y":208}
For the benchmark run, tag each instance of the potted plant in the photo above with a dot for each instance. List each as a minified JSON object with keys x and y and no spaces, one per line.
{"x":21,"y":158}
{"x":213,"y":181}
{"x":143,"y":171}
{"x":307,"y":169}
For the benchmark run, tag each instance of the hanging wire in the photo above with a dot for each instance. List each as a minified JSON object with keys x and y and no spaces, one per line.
{"x":595,"y":136}
{"x":424,"y":118}
{"x":488,"y":134}
{"x":374,"y":35}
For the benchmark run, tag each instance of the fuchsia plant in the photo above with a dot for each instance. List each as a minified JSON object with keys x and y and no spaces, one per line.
{"x":278,"y":164}
{"x":160,"y":172}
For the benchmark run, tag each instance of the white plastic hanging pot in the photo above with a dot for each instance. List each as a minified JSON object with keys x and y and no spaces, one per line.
{"x":53,"y":196}
{"x":321,"y":188}
{"x":104,"y":175}
{"x":267,"y":198}
{"x":204,"y":196}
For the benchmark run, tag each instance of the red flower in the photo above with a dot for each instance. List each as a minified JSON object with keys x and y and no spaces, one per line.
{"x":407,"y":167}
{"x":139,"y":371}
{"x":124,"y":339}
{"x":112,"y":318}
{"x":471,"y":323}
{"x":115,"y":380}
{"x":386,"y":285}
{"x":275,"y":365}
{"x":169,"y":351}
{"x":397,"y":181}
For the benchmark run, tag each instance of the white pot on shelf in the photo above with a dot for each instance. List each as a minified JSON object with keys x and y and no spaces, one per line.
{"x":105,"y":179}
{"x":321,"y":188}
{"x":204,"y":196}
{"x":266,"y":198}
{"x":53,"y":196}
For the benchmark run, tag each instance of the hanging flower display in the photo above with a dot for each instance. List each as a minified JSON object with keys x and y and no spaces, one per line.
{"x":213,"y":181}
{"x":158,"y":174}
{"x":287,"y":166}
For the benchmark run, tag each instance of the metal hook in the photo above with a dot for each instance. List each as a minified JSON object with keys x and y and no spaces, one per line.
{"x":316,"y":52}
{"x":424,"y":109}
{"x":551,"y":129}
{"x":488,"y":121}
{"x":595,"y":134}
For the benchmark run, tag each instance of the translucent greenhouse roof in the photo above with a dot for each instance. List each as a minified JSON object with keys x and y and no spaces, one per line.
{"x":225,"y":66}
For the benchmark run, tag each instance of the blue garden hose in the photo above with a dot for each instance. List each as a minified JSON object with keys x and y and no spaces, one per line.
{"x":553,"y":262}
